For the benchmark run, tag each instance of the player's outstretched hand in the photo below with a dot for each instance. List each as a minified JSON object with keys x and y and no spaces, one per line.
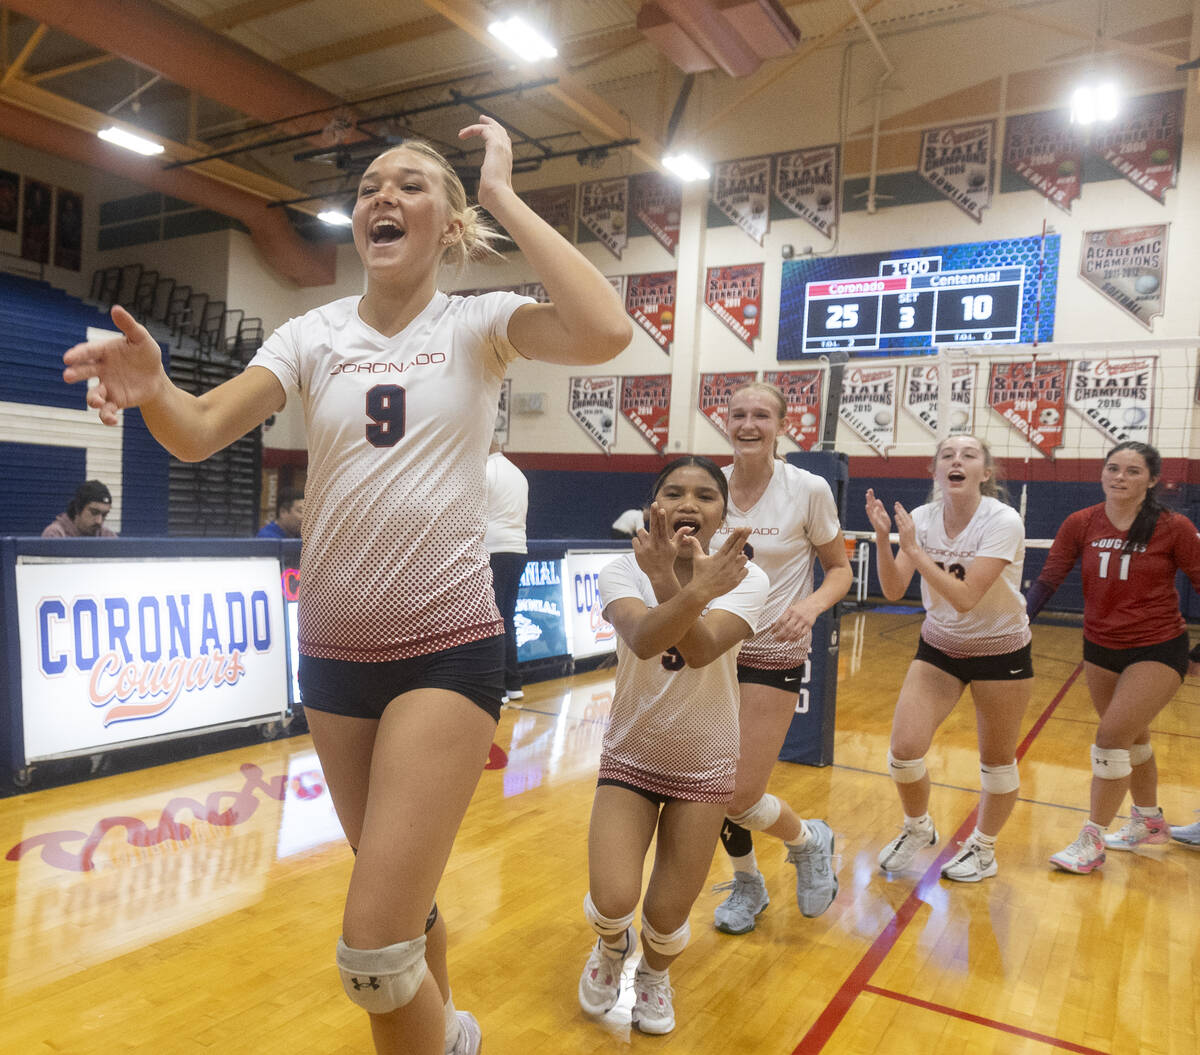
{"x":718,"y":573}
{"x":495,"y":174}
{"x":877,"y":514}
{"x":128,"y":368}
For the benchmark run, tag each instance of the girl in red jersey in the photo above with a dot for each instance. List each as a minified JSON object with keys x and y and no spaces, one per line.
{"x":1135,"y":643}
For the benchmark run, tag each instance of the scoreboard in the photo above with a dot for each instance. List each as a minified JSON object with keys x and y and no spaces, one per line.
{"x":915,"y":299}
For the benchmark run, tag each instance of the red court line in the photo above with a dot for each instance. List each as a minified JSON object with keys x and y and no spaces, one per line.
{"x":981,"y":1021}
{"x":828,"y":1021}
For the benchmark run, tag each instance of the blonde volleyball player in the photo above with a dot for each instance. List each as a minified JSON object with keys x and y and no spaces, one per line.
{"x":969,"y":547}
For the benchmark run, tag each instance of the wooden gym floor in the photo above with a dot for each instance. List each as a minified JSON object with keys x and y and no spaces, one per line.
{"x":132,"y":924}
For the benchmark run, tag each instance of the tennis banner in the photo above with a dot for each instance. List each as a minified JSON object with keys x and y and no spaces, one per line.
{"x":650,"y":302}
{"x":555,"y":205}
{"x":1143,"y":143}
{"x":1045,"y":151}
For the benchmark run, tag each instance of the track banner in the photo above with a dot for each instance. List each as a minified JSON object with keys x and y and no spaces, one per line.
{"x":742,"y":191}
{"x":803,"y":391}
{"x":500,"y":430}
{"x":957,"y":160}
{"x":593,"y":404}
{"x":869,"y":404}
{"x":1115,"y":395}
{"x":657,"y":200}
{"x":650,"y":302}
{"x":715,"y":390}
{"x":1143,"y":143}
{"x":555,"y":205}
{"x":734,"y":295}
{"x":646,"y":404}
{"x":1128,"y":265}
{"x":809,"y":183}
{"x":921,"y":390}
{"x":1044,"y":150}
{"x":1031,"y":397}
{"x":604,"y":210}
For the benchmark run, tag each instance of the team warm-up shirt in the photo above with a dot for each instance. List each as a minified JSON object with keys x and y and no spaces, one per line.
{"x":393,"y":563}
{"x":507,"y":506}
{"x":1129,"y":598}
{"x":674,"y":728}
{"x":998,"y":623}
{"x":795,"y":514}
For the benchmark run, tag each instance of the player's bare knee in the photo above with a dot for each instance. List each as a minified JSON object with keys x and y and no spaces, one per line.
{"x":382,"y":980}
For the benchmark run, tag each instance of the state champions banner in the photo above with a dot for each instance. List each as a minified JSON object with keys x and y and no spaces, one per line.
{"x":646,"y":404}
{"x":1116,"y":396}
{"x":650,"y":302}
{"x":1045,"y":151}
{"x":734,"y":295}
{"x":742,"y":191}
{"x":922,"y":386}
{"x":593,"y":404}
{"x":715,"y":390}
{"x":604,"y":210}
{"x":1143,"y":144}
{"x":1031,"y":397}
{"x":803,"y":391}
{"x":657,"y":201}
{"x":868,"y":405}
{"x":555,"y":205}
{"x":500,"y":429}
{"x":1128,"y":266}
{"x":957,"y":160}
{"x":809,"y":183}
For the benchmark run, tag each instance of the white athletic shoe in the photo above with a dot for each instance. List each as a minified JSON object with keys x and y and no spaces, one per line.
{"x":747,"y":900}
{"x":971,"y":864}
{"x":1187,"y":834}
{"x":913,"y":838}
{"x":600,"y":983}
{"x":470,"y":1036}
{"x":653,"y":1004}
{"x":1139,"y":830}
{"x":816,"y":885}
{"x":516,"y":694}
{"x":1084,"y":855}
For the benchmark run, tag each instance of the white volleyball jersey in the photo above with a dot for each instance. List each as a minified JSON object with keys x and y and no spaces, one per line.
{"x":507,"y":506}
{"x":795,"y":514}
{"x":674,"y":728}
{"x":393,"y":563}
{"x":998,"y":623}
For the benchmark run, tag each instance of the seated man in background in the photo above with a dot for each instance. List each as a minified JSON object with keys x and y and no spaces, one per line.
{"x":85,"y":514}
{"x":289,"y":513}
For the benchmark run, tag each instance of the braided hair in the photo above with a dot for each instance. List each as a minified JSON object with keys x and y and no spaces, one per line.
{"x":1142,"y":528}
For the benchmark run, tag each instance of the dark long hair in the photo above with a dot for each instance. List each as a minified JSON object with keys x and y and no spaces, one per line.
{"x":700,"y":462}
{"x":1142,"y":528}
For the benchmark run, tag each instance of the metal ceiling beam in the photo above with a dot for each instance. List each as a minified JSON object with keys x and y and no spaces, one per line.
{"x":70,"y":67}
{"x":353,"y":47}
{"x":18,"y":64}
{"x":239,"y":14}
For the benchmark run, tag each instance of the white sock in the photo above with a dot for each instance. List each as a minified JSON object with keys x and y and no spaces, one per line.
{"x":749,"y":863}
{"x":802,"y":839}
{"x":648,"y":972}
{"x":988,"y":842}
{"x":1148,"y":811}
{"x":923,"y":822}
{"x":452,"y":1026}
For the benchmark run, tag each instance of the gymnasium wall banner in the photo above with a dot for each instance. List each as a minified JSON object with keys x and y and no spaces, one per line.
{"x":555,"y":205}
{"x":957,"y":160}
{"x":1116,"y":396}
{"x":10,"y":195}
{"x":1143,"y":144}
{"x":593,"y":404}
{"x":650,"y":302}
{"x":604,"y":210}
{"x":1031,"y":397}
{"x":1000,"y":292}
{"x":1045,"y":150}
{"x":501,"y":432}
{"x":540,"y":619}
{"x":869,"y":405}
{"x":618,"y":283}
{"x":809,"y":183}
{"x":535,"y":290}
{"x":734,"y":295}
{"x":646,"y":405}
{"x":1128,"y":265}
{"x":657,"y":201}
{"x":741,"y":189}
{"x":921,"y":390}
{"x":591,"y":633}
{"x":715,"y":390}
{"x":803,"y":391}
{"x":145,"y":649}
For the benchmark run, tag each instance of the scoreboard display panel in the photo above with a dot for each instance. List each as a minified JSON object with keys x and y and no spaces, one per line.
{"x":914,"y":299}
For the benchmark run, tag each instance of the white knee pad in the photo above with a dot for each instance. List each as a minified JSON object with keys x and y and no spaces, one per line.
{"x":602,"y":925}
{"x":905,"y":770}
{"x":1140,"y":754}
{"x":666,"y":944}
{"x":381,"y":980}
{"x":998,"y":780}
{"x":1110,"y":763}
{"x":760,"y":816}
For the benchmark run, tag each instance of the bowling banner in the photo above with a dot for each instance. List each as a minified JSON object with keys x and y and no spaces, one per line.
{"x":803,"y":391}
{"x":809,"y":183}
{"x":593,"y":404}
{"x":742,"y":191}
{"x":1116,"y":396}
{"x":1128,"y":265}
{"x":1045,"y":150}
{"x":657,"y":201}
{"x":604,"y":210}
{"x":734,"y":295}
{"x":650,"y":302}
{"x":869,"y":405}
{"x":957,"y":160}
{"x":646,"y":404}
{"x":922,"y":386}
{"x":1031,"y":396}
{"x":555,"y":205}
{"x":1143,"y":143}
{"x":715,"y":390}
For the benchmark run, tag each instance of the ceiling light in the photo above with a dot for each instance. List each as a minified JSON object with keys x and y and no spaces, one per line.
{"x":522,"y":38}
{"x":1095,"y":102}
{"x":332,"y":216}
{"x":686,"y":167}
{"x":119,"y":137}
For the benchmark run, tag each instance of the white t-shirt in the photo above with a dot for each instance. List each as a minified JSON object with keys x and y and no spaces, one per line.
{"x":795,"y":514}
{"x":507,"y":506}
{"x":393,"y":563}
{"x":674,"y":732}
{"x":998,"y":623}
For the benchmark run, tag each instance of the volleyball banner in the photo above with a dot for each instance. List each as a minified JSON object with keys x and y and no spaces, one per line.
{"x":657,"y":201}
{"x":803,"y":391}
{"x":1115,"y":395}
{"x":1044,"y":150}
{"x":650,"y":302}
{"x":646,"y":404}
{"x":734,"y":295}
{"x":1143,"y":143}
{"x":555,"y":205}
{"x":1128,"y":265}
{"x":593,"y":404}
{"x":957,"y":160}
{"x":715,"y":390}
{"x":1031,"y":397}
{"x":869,"y":404}
{"x":604,"y":210}
{"x":500,"y":430}
{"x":922,"y":386}
{"x":742,"y":191}
{"x":808,"y":183}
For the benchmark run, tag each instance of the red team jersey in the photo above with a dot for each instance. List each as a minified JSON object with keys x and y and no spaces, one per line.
{"x":1130,"y":598}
